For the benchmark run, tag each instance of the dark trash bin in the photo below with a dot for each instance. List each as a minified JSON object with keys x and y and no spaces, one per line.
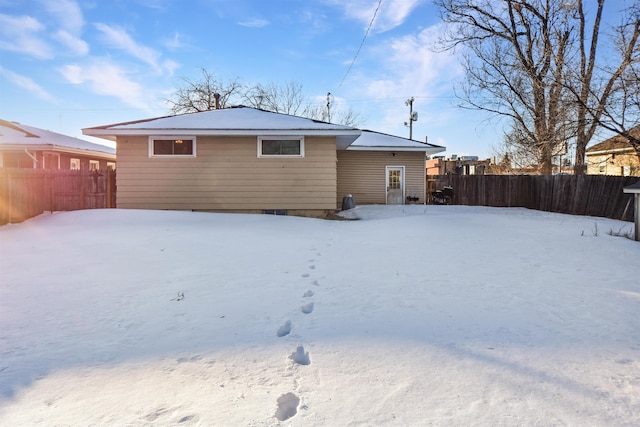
{"x":348,"y":202}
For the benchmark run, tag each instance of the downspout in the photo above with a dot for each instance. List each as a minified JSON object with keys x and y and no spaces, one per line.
{"x":34,"y":158}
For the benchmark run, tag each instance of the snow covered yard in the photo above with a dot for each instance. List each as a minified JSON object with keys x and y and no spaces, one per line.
{"x":414,"y":315}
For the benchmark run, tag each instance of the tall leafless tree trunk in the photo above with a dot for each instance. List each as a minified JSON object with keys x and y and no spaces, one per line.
{"x":602,"y":88}
{"x":515,"y":54}
{"x":524,"y":62}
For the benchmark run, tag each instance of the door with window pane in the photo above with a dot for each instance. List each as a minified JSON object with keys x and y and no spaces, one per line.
{"x":395,"y":185}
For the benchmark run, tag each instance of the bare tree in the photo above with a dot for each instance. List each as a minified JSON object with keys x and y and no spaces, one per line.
{"x":514,"y":57}
{"x":286,"y":99}
{"x":621,"y":114}
{"x":339,"y":115}
{"x":524,"y":153}
{"x":605,"y":89}
{"x":536,"y":62}
{"x":198,"y":95}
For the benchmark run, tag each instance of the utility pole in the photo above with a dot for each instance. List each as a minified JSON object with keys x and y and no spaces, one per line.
{"x":413,"y":116}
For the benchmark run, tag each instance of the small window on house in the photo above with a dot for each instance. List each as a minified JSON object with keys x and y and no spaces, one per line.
{"x":74,"y":164}
{"x":280,"y":147}
{"x":172,"y":147}
{"x":111,"y":165}
{"x":94,"y":165}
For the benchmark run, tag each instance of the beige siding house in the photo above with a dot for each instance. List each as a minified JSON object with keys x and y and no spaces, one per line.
{"x":614,"y":156}
{"x":28,"y":147}
{"x":384,"y":169}
{"x":243,"y":159}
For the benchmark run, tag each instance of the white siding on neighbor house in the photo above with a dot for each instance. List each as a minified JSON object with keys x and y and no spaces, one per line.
{"x":363,"y":175}
{"x":226,"y":174}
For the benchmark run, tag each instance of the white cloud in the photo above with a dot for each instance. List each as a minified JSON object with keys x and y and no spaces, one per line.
{"x":68,"y":18}
{"x":26,"y":83}
{"x":23,"y":34}
{"x":391,"y":14}
{"x":404,"y":68}
{"x":75,"y":45}
{"x":174,"y":43}
{"x":170,"y":66}
{"x":68,"y":14}
{"x":105,"y":78}
{"x":120,"y":39}
{"x":254,"y":23}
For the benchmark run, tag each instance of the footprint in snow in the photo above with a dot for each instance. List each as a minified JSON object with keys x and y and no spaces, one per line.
{"x":308,"y":294}
{"x":287,"y":406}
{"x":300,"y":356}
{"x":284,"y":329}
{"x":305,"y":275}
{"x":312,"y":267}
{"x":307,"y":308}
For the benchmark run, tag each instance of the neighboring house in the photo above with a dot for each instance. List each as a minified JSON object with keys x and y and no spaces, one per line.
{"x":463,"y":165}
{"x":23,"y":146}
{"x":243,"y":159}
{"x":614,"y":156}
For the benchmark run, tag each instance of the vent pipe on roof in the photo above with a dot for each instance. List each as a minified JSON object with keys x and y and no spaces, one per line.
{"x":216,"y":98}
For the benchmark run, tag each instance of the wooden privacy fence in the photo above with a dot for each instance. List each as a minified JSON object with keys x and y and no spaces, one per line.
{"x":25,"y":193}
{"x":591,"y":195}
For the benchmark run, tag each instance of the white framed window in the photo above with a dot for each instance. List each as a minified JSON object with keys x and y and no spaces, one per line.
{"x":74,"y":164}
{"x":281,"y":146}
{"x":94,"y":165}
{"x":172,"y":146}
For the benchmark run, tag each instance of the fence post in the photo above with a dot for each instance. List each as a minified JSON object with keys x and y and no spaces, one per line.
{"x":82,"y":195}
{"x":10,"y":207}
{"x":49,"y":183}
{"x":108,"y":189}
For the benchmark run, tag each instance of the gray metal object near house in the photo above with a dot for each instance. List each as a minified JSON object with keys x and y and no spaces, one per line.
{"x":348,"y":202}
{"x":635,"y":190}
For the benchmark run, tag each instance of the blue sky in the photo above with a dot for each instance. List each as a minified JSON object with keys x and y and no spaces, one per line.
{"x":70,"y":64}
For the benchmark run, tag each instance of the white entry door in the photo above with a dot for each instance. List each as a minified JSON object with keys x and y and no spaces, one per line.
{"x":395,"y":185}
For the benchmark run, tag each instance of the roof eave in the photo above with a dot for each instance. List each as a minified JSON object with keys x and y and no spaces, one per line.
{"x":113,"y":133}
{"x":633,"y":188}
{"x":58,"y":149}
{"x":629,"y":149}
{"x":430,"y":150}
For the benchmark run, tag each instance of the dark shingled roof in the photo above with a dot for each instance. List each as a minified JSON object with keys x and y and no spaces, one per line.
{"x":615,"y":143}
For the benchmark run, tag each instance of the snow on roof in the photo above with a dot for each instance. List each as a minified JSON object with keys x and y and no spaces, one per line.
{"x":13,"y":133}
{"x":376,"y":141}
{"x":243,"y":120}
{"x":234,"y":121}
{"x":227,"y":119}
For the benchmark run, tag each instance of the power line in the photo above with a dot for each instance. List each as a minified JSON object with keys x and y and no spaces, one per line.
{"x":366,"y":34}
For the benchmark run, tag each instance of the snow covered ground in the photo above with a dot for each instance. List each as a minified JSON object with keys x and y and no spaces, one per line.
{"x":414,"y":315}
